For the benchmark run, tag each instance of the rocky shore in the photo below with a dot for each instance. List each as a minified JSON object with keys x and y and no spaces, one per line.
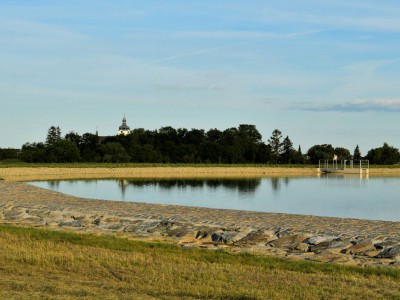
{"x":297,"y":237}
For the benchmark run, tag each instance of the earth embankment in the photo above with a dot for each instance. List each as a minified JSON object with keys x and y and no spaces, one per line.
{"x":59,"y":173}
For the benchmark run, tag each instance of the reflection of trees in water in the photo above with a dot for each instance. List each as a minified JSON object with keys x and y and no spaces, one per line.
{"x":241,"y":185}
{"x":276,"y":183}
{"x":54,"y":184}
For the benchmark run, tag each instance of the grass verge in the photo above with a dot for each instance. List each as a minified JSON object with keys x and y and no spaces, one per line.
{"x":6,"y":164}
{"x":42,"y":264}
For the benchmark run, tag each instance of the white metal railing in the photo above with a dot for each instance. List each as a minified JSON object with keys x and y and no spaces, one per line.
{"x":327,"y":164}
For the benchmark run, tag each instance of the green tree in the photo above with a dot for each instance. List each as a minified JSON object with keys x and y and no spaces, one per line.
{"x":74,"y":137}
{"x":276,"y":145}
{"x":317,"y":152}
{"x":342,"y":153}
{"x":250,"y":139}
{"x":91,"y":148}
{"x":357,"y":153}
{"x":214,"y":135}
{"x":8,"y":154}
{"x":263,"y":153}
{"x":115,"y":153}
{"x":34,"y":153}
{"x":288,"y":151}
{"x":385,"y":155}
{"x":298,"y":157}
{"x":62,"y":151}
{"x":53,"y":135}
{"x":144,"y":154}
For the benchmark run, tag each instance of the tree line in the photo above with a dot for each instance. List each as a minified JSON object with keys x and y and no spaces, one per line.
{"x":241,"y":145}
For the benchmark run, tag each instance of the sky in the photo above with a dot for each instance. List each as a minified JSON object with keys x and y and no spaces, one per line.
{"x":322,"y":72}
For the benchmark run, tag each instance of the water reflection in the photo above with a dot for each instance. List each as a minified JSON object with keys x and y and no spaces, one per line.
{"x":348,"y":180}
{"x":243,"y":186}
{"x":328,"y":195}
{"x":54,"y":184}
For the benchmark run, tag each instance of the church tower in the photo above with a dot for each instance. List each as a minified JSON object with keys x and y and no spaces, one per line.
{"x":124,"y":129}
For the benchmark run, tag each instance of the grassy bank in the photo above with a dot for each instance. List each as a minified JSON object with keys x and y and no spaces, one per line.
{"x":7,"y":164}
{"x":37,"y":264}
{"x":140,"y":171}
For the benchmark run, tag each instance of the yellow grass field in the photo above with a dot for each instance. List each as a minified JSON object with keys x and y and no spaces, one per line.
{"x":41,"y":264}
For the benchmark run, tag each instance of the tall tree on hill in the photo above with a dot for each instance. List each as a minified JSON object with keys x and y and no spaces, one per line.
{"x":53,"y":135}
{"x":276,"y":145}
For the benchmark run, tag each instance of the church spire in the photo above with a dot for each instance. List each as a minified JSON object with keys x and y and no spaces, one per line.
{"x":124,"y":128}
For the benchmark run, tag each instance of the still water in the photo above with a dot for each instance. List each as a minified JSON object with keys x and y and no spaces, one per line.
{"x":335,"y":196}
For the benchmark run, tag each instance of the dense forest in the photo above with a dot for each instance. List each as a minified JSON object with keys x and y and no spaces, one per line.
{"x":241,"y":145}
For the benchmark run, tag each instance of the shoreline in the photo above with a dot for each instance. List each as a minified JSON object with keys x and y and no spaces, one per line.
{"x":60,"y":173}
{"x":297,"y":237}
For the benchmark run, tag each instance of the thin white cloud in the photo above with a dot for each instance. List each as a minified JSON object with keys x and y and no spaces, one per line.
{"x":358,"y":105}
{"x":252,"y":37}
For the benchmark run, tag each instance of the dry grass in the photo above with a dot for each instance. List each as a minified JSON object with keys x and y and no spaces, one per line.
{"x":40,"y":264}
{"x":54,"y":173}
{"x":31,"y":172}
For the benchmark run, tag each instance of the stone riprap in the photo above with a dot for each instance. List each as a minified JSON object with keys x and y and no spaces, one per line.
{"x":324,"y":239}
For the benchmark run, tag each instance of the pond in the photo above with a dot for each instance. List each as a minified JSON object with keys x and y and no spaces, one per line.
{"x":335,"y":196}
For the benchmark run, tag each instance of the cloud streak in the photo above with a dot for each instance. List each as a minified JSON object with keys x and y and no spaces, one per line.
{"x":359,"y":105}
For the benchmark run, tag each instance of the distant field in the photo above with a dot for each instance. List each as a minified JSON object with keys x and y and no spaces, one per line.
{"x":41,"y":264}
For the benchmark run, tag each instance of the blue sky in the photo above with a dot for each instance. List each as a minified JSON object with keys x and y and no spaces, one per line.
{"x":320,"y":71}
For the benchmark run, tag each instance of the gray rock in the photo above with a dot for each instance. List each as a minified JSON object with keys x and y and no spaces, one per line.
{"x":178,"y":232}
{"x":259,"y":236}
{"x":218,"y":237}
{"x":315,"y":240}
{"x":359,"y":249}
{"x":75,"y":223}
{"x":226,"y":236}
{"x":289,"y":242}
{"x":386,"y":244}
{"x":318,"y":248}
{"x":392,"y":252}
{"x":201,"y":234}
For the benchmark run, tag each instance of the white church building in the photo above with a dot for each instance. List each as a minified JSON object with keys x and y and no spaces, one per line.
{"x":124,"y":128}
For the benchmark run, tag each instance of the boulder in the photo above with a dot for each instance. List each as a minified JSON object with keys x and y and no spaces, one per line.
{"x":315,"y":240}
{"x":218,"y":237}
{"x":386,"y":243}
{"x":201,"y":234}
{"x":225,"y":237}
{"x":392,"y":252}
{"x":303,"y":247}
{"x":359,"y":249}
{"x":259,"y":236}
{"x":333,"y":244}
{"x":290,"y":242}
